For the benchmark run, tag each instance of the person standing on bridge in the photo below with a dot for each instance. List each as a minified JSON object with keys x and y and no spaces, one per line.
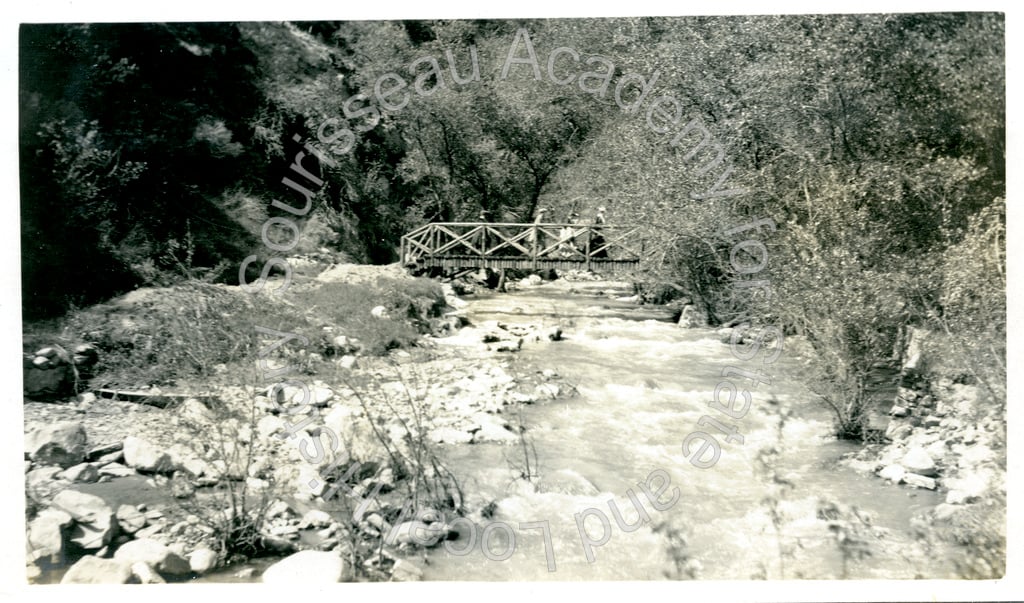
{"x":480,"y":240}
{"x":597,"y":243}
{"x":534,"y":237}
{"x":567,"y":237}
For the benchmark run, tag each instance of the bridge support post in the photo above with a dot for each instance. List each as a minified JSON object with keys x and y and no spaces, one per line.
{"x":590,"y":233}
{"x":536,"y":240}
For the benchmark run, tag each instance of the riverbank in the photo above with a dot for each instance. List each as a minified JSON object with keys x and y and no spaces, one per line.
{"x":543,"y":403}
{"x":138,"y":473}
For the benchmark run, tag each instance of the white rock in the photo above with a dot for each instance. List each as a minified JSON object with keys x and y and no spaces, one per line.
{"x":379,"y":312}
{"x":269,"y":425}
{"x":144,"y":456}
{"x":958,"y":497}
{"x":196,"y":467}
{"x":305,"y":568}
{"x":523,"y":398}
{"x":450,"y":435}
{"x":116,"y":470}
{"x":919,"y":481}
{"x":692,"y":317}
{"x":404,"y":571}
{"x":418,"y":533}
{"x":916,"y":460}
{"x":969,"y":486}
{"x":94,"y":570}
{"x":255,"y":484}
{"x":202,"y":560}
{"x":348,"y":362}
{"x":154,"y":553}
{"x":322,"y":395}
{"x":893,"y":473}
{"x":315,"y":518}
{"x":145,"y":574}
{"x":492,"y":430}
{"x":278,"y":508}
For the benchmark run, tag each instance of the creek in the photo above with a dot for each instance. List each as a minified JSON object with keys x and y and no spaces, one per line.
{"x":642,"y":385}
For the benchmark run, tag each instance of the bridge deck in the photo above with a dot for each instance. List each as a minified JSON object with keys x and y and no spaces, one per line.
{"x":460,"y":245}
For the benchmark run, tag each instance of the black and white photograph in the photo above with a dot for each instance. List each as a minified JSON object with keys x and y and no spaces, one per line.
{"x":650,"y":298}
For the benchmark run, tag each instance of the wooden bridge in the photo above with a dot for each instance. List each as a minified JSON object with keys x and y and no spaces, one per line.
{"x":466,"y":245}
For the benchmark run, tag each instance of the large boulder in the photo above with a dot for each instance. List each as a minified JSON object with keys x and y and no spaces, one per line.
{"x":202,"y":560}
{"x":63,"y":444}
{"x":155,"y":554}
{"x":46,"y":534}
{"x":47,"y":378}
{"x":95,"y":570}
{"x":146,"y":457}
{"x":95,"y":523}
{"x":42,"y":483}
{"x":918,"y":461}
{"x":306,"y":567}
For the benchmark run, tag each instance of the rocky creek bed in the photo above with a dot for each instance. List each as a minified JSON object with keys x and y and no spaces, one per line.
{"x":126,"y":492}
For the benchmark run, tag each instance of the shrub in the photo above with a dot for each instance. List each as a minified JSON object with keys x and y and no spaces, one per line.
{"x":409,"y":303}
{"x":164,"y":336}
{"x":226,"y":439}
{"x":192,"y":331}
{"x":971,"y":309}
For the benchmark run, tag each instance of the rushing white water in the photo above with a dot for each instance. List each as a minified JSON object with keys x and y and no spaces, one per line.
{"x":643,"y":385}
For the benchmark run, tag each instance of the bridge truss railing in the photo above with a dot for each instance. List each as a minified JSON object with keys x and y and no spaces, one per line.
{"x":509,"y":244}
